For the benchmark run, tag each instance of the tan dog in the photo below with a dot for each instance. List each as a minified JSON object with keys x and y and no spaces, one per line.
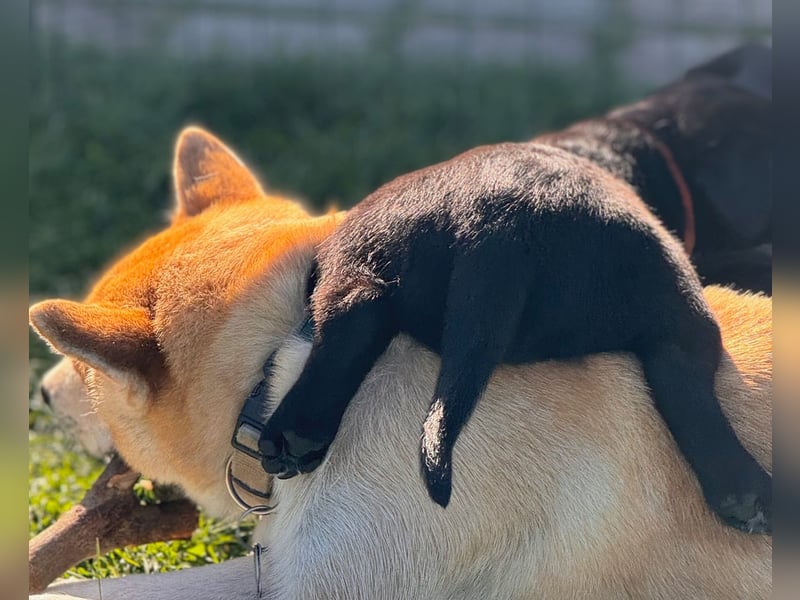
{"x":595,"y":502}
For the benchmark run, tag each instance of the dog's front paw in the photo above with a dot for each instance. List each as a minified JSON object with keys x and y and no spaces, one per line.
{"x":286,"y":454}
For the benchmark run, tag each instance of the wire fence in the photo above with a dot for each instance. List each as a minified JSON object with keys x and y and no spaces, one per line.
{"x":649,"y":40}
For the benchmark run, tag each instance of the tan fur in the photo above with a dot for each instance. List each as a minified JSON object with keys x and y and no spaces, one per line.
{"x":570,"y":487}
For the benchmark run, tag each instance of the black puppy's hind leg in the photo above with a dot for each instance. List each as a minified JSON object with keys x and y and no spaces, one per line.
{"x":481,"y":319}
{"x":681,"y":373}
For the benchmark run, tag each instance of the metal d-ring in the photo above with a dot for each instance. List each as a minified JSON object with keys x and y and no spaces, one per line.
{"x":260,"y":510}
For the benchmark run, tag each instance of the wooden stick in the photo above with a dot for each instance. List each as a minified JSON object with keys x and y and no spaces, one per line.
{"x":110,"y":516}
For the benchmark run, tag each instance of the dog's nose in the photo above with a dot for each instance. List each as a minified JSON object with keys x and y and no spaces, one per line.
{"x":45,"y":395}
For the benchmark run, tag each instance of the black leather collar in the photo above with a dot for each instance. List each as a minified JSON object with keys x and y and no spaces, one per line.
{"x":248,"y":484}
{"x":252,"y":413}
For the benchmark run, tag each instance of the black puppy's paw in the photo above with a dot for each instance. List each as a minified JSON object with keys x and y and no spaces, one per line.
{"x":745,"y":504}
{"x":286,"y":454}
{"x":746,"y":512}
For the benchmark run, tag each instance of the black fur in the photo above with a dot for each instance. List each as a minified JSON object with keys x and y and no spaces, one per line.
{"x":510,"y":254}
{"x":716,"y":123}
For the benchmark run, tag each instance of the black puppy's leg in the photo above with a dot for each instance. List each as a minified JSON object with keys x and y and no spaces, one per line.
{"x":484,"y":304}
{"x":297,"y":435}
{"x":681,"y":374}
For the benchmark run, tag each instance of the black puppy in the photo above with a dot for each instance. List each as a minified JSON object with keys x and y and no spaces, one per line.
{"x":509,"y":254}
{"x":698,"y":152}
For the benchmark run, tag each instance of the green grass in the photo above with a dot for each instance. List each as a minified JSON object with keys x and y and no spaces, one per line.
{"x":102,"y":128}
{"x":60,"y":474}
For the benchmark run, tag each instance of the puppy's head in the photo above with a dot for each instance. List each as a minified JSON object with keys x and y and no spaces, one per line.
{"x":163,"y":351}
{"x":716,"y":123}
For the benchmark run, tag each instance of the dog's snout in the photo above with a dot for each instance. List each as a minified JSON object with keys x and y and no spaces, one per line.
{"x":45,"y":396}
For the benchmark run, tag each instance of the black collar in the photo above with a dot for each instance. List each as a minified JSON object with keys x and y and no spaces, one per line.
{"x":248,"y":484}
{"x":252,"y":413}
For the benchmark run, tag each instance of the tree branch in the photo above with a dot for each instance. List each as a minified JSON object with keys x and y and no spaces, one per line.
{"x":110,"y":516}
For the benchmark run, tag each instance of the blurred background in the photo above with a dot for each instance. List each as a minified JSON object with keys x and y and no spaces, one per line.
{"x":327,"y":100}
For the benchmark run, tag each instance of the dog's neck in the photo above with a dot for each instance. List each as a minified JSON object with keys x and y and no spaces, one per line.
{"x":288,"y":359}
{"x":247,"y":483}
{"x":652,"y":140}
{"x":617,"y":144}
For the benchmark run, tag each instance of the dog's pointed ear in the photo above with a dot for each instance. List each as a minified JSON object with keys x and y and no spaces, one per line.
{"x":748,"y":67}
{"x":117,"y":341}
{"x":206,"y":171}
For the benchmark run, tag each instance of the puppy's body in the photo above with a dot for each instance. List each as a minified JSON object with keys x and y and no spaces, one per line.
{"x":512,"y":253}
{"x":594,"y":502}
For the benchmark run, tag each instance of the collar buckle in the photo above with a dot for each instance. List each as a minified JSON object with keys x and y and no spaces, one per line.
{"x":248,"y":484}
{"x":251,"y":421}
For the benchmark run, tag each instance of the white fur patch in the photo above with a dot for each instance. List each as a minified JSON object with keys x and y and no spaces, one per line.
{"x":288,"y":363}
{"x":431,"y":432}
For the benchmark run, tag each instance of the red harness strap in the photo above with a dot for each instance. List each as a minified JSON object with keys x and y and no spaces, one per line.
{"x":683,"y":188}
